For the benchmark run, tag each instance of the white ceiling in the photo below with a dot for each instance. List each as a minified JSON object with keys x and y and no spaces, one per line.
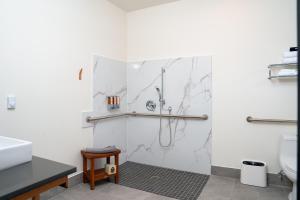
{"x":131,"y":5}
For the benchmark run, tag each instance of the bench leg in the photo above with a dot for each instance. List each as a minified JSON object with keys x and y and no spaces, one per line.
{"x":117,"y":169}
{"x":92,"y":174}
{"x":84,"y":177}
{"x":37,"y":197}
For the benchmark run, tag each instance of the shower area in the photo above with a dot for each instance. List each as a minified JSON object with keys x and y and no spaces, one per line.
{"x":163,"y":121}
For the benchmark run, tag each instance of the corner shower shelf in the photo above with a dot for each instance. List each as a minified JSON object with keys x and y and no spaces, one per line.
{"x":277,"y":67}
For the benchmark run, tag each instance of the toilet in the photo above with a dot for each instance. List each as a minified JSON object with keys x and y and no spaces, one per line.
{"x":288,"y":161}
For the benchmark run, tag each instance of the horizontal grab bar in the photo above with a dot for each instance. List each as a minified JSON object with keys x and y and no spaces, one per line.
{"x":203,"y":117}
{"x":134,"y":114}
{"x":251,"y":119}
{"x":91,"y":119}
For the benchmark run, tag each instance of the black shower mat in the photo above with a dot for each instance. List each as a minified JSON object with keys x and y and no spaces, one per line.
{"x":162,"y":181}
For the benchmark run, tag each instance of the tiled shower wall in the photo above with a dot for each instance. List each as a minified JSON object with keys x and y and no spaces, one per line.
{"x":187,"y":89}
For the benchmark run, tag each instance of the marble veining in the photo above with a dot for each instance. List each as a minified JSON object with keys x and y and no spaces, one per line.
{"x":169,"y":63}
{"x":187,"y":91}
{"x":109,"y":79}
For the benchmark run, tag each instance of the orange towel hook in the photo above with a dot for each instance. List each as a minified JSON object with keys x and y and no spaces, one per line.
{"x":80,"y":74}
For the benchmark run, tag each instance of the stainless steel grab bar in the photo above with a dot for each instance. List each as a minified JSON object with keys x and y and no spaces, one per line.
{"x":134,"y":114}
{"x":251,"y":119}
{"x":92,"y":119}
{"x":203,"y":117}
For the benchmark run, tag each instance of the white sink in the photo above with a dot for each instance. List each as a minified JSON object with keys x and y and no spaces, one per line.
{"x":14,"y":152}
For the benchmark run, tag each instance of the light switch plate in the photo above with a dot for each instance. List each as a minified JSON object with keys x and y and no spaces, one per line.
{"x":84,"y":123}
{"x":11,"y":102}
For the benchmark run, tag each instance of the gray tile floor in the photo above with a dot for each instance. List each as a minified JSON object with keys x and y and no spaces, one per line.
{"x":217,"y":188}
{"x":224,"y":188}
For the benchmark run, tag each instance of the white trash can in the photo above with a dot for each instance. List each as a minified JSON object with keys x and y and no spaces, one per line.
{"x":254,"y":173}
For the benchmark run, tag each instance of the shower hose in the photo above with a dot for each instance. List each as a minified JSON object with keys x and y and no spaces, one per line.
{"x":160,"y":128}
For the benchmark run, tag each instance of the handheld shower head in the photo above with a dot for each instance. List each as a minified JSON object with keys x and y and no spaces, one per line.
{"x":159,"y":93}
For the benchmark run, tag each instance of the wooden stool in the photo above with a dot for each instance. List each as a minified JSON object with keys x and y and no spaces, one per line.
{"x":93,"y":175}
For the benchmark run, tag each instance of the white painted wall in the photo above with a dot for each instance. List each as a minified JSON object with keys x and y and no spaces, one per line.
{"x":43,"y":45}
{"x":243,"y":37}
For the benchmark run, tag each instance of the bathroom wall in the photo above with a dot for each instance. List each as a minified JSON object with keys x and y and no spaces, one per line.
{"x":109,"y":80}
{"x":45,"y":43}
{"x":187,"y":90}
{"x":43,"y":46}
{"x":243,"y":37}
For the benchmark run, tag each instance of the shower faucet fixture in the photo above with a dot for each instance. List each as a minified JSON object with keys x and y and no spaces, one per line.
{"x":150,"y":105}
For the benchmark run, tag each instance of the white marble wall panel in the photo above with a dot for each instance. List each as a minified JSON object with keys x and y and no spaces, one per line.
{"x":187,"y":90}
{"x":109,"y":79}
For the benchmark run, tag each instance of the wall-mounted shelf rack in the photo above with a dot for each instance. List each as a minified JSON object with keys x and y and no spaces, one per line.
{"x":275,"y":70}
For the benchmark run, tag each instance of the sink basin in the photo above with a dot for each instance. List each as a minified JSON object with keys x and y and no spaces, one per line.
{"x":14,"y":152}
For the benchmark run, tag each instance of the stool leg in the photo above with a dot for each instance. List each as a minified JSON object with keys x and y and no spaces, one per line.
{"x":92,"y":174}
{"x":108,"y":162}
{"x":117,"y":168}
{"x":84,"y":177}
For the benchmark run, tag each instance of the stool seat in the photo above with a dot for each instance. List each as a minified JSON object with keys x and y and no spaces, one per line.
{"x":99,"y":174}
{"x":99,"y":155}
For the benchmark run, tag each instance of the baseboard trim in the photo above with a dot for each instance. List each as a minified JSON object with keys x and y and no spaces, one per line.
{"x":225,"y":171}
{"x":75,"y":179}
{"x":273,"y":179}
